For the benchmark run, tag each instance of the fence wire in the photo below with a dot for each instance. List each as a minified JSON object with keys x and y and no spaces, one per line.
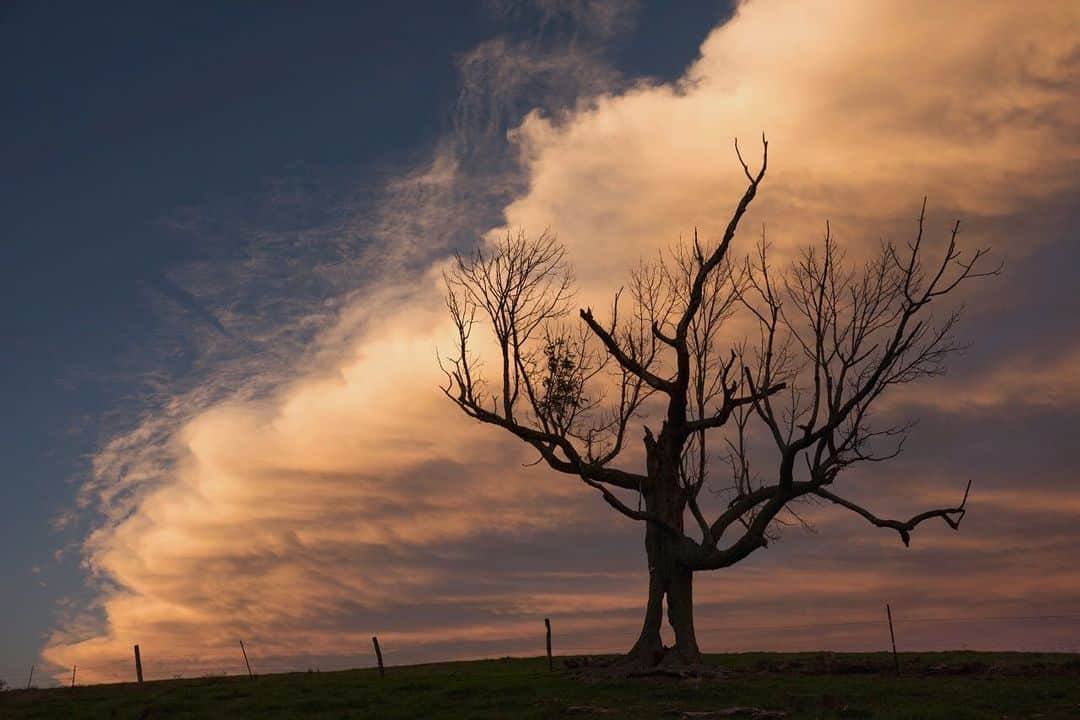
{"x":712,"y":635}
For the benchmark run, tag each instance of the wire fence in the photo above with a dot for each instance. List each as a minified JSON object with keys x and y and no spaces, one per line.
{"x":1067,"y":631}
{"x":1060,"y":633}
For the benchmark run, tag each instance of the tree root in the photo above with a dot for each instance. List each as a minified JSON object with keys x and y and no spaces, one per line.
{"x":671,"y":665}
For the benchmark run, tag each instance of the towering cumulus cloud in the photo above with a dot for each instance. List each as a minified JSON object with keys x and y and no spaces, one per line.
{"x":350,"y":498}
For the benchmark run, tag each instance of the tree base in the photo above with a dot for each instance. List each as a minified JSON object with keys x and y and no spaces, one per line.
{"x":670,"y":664}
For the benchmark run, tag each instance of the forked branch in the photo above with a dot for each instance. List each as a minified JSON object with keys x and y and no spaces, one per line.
{"x":952,"y":516}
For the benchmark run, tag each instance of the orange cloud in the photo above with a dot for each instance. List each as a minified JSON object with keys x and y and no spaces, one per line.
{"x":867,"y":106}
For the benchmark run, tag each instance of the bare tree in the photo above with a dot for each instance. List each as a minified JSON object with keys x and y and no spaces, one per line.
{"x":830,"y":340}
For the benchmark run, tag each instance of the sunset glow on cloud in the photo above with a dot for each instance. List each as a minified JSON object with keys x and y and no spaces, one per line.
{"x":349,"y":497}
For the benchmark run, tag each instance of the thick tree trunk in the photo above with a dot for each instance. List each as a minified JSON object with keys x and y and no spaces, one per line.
{"x":669,"y":580}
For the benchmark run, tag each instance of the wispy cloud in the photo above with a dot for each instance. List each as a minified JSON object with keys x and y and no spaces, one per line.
{"x":1047,"y":381}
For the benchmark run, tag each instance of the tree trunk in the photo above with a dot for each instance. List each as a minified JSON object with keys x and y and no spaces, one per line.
{"x":680,"y":600}
{"x":670,"y":579}
{"x":648,"y":651}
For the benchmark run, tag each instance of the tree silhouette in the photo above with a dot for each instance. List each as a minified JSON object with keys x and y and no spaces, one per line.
{"x":827,"y":340}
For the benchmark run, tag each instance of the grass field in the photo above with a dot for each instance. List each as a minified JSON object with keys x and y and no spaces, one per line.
{"x":806,"y":685}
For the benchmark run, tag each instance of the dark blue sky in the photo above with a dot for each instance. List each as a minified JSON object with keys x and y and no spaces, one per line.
{"x":118,"y":117}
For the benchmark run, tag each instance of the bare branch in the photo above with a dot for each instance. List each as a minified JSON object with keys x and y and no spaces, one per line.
{"x":625,"y":360}
{"x":952,"y":516}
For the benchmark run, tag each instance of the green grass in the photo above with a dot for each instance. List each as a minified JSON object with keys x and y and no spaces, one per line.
{"x":806,"y":685}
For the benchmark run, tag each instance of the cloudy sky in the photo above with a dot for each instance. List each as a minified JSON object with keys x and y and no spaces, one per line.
{"x":223,"y":231}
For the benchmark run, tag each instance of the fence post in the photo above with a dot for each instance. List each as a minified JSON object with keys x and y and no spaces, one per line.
{"x":547,"y":625}
{"x":378,"y":654}
{"x":30,"y":680}
{"x":73,"y":676}
{"x":250,"y":674}
{"x":138,"y":666}
{"x":892,"y":636}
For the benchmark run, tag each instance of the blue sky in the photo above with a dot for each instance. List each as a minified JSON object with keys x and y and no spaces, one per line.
{"x":118,"y":119}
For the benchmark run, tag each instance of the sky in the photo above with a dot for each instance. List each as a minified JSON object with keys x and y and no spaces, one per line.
{"x":223,"y":231}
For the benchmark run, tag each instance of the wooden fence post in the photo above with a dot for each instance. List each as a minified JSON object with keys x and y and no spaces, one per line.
{"x":378,"y":654}
{"x":30,"y":680}
{"x":892,"y":636}
{"x":547,"y":625}
{"x":250,"y":674}
{"x":73,"y":676}
{"x":138,"y":665}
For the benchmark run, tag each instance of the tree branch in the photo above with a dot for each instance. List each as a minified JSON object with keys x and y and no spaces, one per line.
{"x":952,"y":516}
{"x":721,"y":417}
{"x":631,"y":365}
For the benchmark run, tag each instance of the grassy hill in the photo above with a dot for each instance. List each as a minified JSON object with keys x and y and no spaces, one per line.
{"x":950,"y":686}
